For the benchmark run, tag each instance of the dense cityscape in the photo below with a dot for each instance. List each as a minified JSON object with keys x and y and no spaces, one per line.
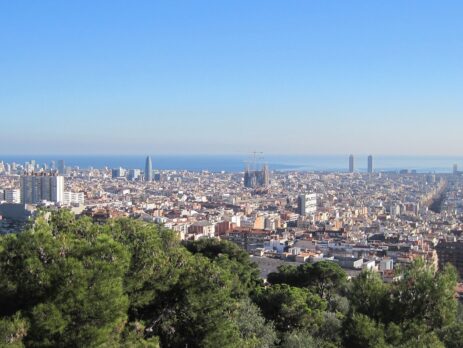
{"x":374,"y":221}
{"x":231,"y":174}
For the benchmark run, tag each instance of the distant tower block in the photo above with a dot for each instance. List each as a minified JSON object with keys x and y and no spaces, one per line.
{"x":370,"y":164}
{"x":351,"y":163}
{"x":455,"y":169}
{"x":148,"y":169}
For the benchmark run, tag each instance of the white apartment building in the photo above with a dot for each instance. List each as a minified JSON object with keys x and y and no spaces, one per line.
{"x":12,"y":195}
{"x":70,"y":198}
{"x":307,"y":204}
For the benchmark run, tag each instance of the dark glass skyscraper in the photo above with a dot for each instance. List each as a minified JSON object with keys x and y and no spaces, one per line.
{"x":370,"y":164}
{"x":351,"y":163}
{"x":148,"y":169}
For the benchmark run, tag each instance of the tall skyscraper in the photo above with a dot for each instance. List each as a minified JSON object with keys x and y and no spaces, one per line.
{"x":265,"y":175}
{"x":455,"y":169}
{"x":41,"y":187}
{"x":351,"y":163}
{"x":370,"y":164}
{"x":148,"y":169}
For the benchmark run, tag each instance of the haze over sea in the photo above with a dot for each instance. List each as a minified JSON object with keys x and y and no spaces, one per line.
{"x":236,"y":163}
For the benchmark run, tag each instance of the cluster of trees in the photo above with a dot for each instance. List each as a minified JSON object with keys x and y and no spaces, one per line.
{"x":67,"y":282}
{"x":418,"y":311}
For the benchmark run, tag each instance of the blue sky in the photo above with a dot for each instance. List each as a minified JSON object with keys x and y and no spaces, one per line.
{"x":231,"y":76}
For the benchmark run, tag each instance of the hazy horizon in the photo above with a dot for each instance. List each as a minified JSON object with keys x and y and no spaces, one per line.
{"x":229,"y":154}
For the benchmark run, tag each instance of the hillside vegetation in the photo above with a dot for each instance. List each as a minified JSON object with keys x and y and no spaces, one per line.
{"x":67,"y":282}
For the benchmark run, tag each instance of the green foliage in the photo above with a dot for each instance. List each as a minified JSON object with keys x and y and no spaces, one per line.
{"x":418,"y":335}
{"x":13,"y":329}
{"x":254,"y":330}
{"x":370,"y":295}
{"x":330,"y":329}
{"x":426,"y":295}
{"x":231,"y":257}
{"x":287,"y":274}
{"x":195,"y":309}
{"x":70,"y":289}
{"x":363,"y":332}
{"x":67,"y":282}
{"x":299,"y":339}
{"x":155,"y":264}
{"x":325,"y":277}
{"x":452,"y":336}
{"x":290,"y":308}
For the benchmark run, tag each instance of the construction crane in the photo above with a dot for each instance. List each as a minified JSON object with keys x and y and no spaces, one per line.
{"x":256,"y":157}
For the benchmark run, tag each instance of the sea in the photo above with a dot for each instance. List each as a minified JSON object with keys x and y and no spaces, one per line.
{"x":237,"y":163}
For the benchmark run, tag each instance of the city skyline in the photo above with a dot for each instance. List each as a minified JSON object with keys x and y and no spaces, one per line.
{"x":235,"y":163}
{"x":231,"y":173}
{"x":204,"y":77}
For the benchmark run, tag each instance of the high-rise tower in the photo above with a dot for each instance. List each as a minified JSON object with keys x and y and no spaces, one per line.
{"x":370,"y":164}
{"x":351,"y":163}
{"x":41,"y":187}
{"x":148,"y":169}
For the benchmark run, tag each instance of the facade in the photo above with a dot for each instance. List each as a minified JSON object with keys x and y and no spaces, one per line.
{"x":36,"y":188}
{"x":351,"y":163}
{"x":148,"y":169}
{"x":451,"y":252}
{"x":370,"y":164}
{"x":118,"y":173}
{"x":134,"y":174}
{"x":307,"y":204}
{"x":12,"y":195}
{"x":257,"y":178}
{"x":203,"y":228}
{"x":70,"y":198}
{"x":248,"y":239}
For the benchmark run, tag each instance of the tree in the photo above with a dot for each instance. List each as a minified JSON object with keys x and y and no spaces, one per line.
{"x":156,"y":261}
{"x":363,"y":332}
{"x":426,"y":295}
{"x":13,"y":329}
{"x":417,"y":334}
{"x":69,"y":289}
{"x":67,"y":282}
{"x":287,"y":274}
{"x":195,"y":310}
{"x":290,"y":308}
{"x":232,"y":257}
{"x":326,"y":278}
{"x":330,"y":329}
{"x":369,"y":295}
{"x":255,"y":331}
{"x":299,"y":339}
{"x":452,"y":335}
